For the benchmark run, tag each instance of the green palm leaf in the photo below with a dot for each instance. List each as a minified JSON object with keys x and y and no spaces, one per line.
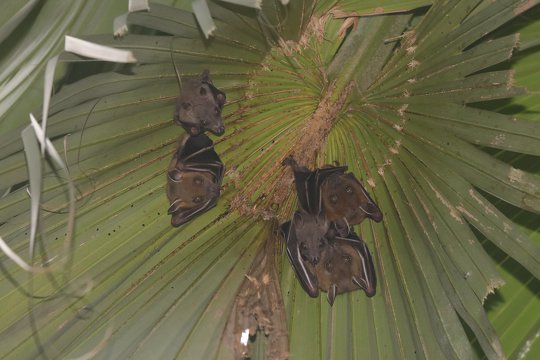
{"x":394,"y":97}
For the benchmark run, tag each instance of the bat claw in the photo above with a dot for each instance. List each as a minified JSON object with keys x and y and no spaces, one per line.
{"x":355,"y":280}
{"x":289,"y":161}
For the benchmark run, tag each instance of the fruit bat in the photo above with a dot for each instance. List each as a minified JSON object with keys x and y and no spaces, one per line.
{"x":198,"y":108}
{"x":193,"y":178}
{"x":323,"y":260}
{"x":332,"y":192}
{"x":305,"y":238}
{"x":346,"y":265}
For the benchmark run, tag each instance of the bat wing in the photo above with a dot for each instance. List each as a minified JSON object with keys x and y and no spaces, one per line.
{"x":182,"y":216}
{"x":192,"y":146}
{"x":372,"y":209}
{"x":198,"y":154}
{"x":318,"y":177}
{"x":304,"y":270}
{"x":301,"y":182}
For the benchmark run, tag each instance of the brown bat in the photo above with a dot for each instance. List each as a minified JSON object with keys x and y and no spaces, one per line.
{"x":198,"y":108}
{"x":193,"y":178}
{"x":346,"y":265}
{"x":345,"y":201}
{"x":336,"y":194}
{"x":305,"y":237}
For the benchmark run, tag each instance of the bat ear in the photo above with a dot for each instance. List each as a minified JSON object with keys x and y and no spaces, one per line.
{"x":220,"y":98}
{"x":205,"y":76}
{"x":297,"y":218}
{"x":331,"y":294}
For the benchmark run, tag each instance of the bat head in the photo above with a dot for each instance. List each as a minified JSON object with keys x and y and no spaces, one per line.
{"x":189,"y":193}
{"x":346,"y":265}
{"x":343,"y":197}
{"x":199,"y":106}
{"x":310,"y":231}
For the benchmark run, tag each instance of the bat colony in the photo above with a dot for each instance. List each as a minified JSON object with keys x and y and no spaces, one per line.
{"x":324,"y":251}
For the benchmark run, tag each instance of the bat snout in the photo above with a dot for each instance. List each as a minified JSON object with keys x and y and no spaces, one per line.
{"x":314,"y":260}
{"x":218,"y":130}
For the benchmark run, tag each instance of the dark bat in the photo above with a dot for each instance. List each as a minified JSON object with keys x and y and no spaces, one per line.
{"x":193,"y":178}
{"x":346,"y":265}
{"x":336,"y":194}
{"x":198,"y":108}
{"x":305,"y":239}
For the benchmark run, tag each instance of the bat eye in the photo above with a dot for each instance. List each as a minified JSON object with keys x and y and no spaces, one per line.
{"x":186,"y":105}
{"x":197,"y":181}
{"x":333,"y":198}
{"x":328,"y":266}
{"x":347,"y":259}
{"x":303,"y":246}
{"x":348,"y":189}
{"x":202,"y":91}
{"x":197,"y":199}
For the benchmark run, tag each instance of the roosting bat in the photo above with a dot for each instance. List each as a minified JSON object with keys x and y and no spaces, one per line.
{"x":334,"y":193}
{"x":346,"y":265}
{"x":305,"y":239}
{"x":193,"y":178}
{"x":198,"y":108}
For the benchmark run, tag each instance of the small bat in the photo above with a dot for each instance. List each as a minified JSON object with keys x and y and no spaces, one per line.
{"x":346,"y":265}
{"x":345,"y":201}
{"x":193,"y":178}
{"x":198,"y":108}
{"x":336,"y":194}
{"x":305,"y":239}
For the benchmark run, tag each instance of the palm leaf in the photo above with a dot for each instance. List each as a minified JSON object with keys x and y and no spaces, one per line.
{"x":394,"y":97}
